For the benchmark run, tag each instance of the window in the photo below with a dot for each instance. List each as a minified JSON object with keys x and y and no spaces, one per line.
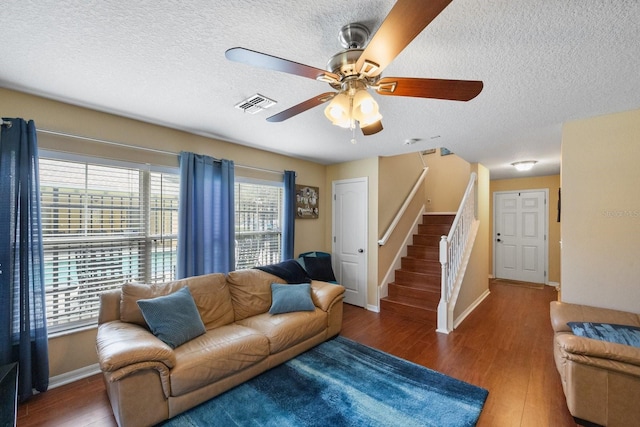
{"x":103,"y":225}
{"x":258,"y":222}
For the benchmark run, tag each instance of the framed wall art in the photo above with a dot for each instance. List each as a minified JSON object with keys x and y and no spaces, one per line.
{"x":307,"y":202}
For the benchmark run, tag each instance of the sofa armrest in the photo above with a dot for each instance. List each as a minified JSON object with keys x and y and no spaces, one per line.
{"x":324,"y":294}
{"x":162,"y":369}
{"x":120,"y":344}
{"x":561,"y":313}
{"x":601,"y":354}
{"x":109,"y":306}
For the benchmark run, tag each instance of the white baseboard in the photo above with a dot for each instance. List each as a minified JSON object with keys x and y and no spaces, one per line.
{"x":373,"y":308}
{"x":470,"y":309}
{"x":69,"y":377}
{"x":555,"y":285}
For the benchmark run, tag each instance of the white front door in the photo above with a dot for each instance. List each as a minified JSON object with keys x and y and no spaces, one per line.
{"x":520,"y":229}
{"x":350,"y":199}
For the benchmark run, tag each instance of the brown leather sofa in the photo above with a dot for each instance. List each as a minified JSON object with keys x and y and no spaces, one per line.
{"x":147,"y":381}
{"x":601,"y":380}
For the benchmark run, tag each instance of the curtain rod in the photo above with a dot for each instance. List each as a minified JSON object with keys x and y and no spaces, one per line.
{"x":136,"y":147}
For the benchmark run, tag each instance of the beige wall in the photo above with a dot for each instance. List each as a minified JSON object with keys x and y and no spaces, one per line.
{"x":475,"y":284}
{"x":446,"y":181}
{"x":397,"y":177}
{"x":552,"y":183}
{"x":601,"y":211}
{"x":77,"y":350}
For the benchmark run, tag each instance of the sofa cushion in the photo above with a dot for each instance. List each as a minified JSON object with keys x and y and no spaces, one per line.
{"x":610,"y":332}
{"x":217,"y":354}
{"x":210,"y":293}
{"x":288,"y":329}
{"x":250,"y":291}
{"x":290,"y":271}
{"x":213,"y":299}
{"x":173,"y":318}
{"x":288,"y":298}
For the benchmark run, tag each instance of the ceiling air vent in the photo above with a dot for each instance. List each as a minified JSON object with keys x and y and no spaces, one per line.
{"x":255,"y":104}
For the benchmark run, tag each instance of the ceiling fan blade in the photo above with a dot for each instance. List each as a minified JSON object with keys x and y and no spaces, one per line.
{"x":372,"y":128}
{"x":270,"y":62}
{"x":301,"y":108}
{"x":404,"y":22}
{"x":454,"y":90}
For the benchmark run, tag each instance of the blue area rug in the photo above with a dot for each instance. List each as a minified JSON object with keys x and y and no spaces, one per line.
{"x":343,"y":383}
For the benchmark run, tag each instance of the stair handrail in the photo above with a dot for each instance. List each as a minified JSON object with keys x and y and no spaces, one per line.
{"x":403,"y":208}
{"x":452,"y":247}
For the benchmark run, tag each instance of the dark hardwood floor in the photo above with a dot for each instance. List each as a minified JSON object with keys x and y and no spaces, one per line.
{"x":505,"y":346}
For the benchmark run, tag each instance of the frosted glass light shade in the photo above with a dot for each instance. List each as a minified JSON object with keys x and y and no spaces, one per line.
{"x":365,"y":108}
{"x":338,"y":110}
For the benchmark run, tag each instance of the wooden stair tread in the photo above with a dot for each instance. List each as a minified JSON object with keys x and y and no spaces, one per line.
{"x":416,"y":288}
{"x":418,"y":273}
{"x":411,"y":302}
{"x":438,"y":219}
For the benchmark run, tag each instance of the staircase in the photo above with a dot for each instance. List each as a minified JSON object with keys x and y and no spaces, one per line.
{"x":417,"y":288}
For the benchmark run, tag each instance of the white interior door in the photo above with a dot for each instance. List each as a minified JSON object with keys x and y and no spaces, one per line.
{"x":520,"y":230}
{"x":350,"y":198}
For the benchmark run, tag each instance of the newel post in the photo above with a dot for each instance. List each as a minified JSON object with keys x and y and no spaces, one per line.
{"x":443,"y":306}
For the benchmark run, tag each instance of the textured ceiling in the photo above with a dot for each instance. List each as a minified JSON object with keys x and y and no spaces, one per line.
{"x":542,"y":62}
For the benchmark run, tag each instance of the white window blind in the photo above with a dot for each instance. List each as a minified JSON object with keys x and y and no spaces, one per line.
{"x":258,"y":222}
{"x":103,"y":225}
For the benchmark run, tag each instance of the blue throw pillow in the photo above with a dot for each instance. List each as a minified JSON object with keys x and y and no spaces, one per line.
{"x":621,"y":334}
{"x":288,"y":298}
{"x":173,"y":318}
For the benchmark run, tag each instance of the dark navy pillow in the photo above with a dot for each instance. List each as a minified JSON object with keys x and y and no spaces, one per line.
{"x":319,"y":268}
{"x":289,"y":271}
{"x":620,"y":334}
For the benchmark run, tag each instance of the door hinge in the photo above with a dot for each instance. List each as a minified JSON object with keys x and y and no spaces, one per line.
{"x":334,"y":239}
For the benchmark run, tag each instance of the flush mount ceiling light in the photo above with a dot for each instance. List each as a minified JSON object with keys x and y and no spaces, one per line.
{"x":524,"y":165}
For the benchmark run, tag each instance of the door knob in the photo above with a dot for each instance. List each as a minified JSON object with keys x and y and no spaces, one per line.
{"x":360,"y":251}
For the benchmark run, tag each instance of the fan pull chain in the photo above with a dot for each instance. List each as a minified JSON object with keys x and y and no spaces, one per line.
{"x":353,"y":121}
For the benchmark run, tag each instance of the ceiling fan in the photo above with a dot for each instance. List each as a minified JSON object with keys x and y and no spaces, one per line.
{"x":357,"y":69}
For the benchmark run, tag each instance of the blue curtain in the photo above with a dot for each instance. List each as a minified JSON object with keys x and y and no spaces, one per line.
{"x":206,"y":234}
{"x":23,"y":325}
{"x":289,"y":216}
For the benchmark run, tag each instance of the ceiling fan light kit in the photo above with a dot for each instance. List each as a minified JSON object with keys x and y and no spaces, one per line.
{"x":353,"y":104}
{"x":357,"y":69}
